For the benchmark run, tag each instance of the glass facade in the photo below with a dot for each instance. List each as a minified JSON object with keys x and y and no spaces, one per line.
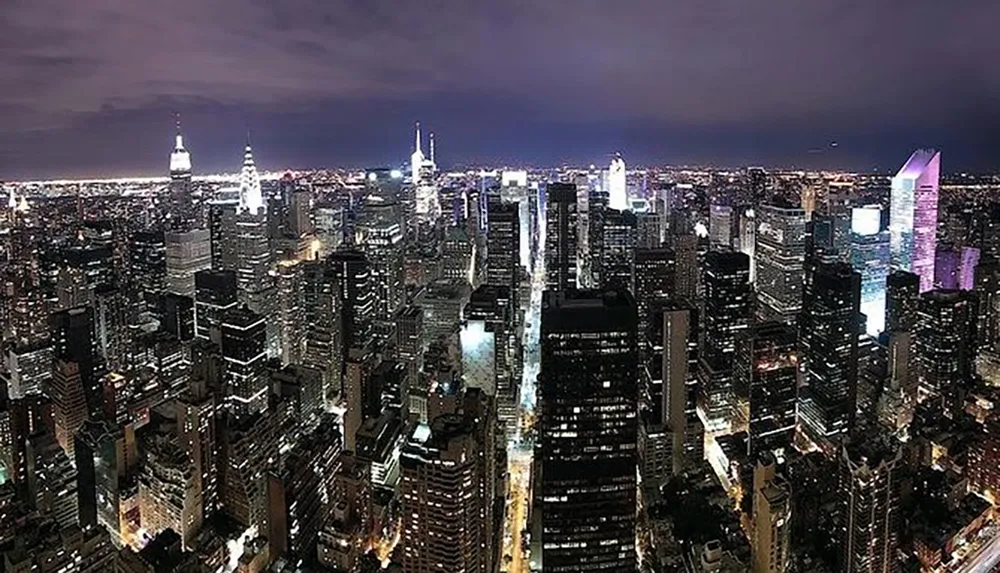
{"x":913,"y":216}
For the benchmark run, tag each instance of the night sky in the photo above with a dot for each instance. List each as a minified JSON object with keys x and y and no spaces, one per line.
{"x":89,"y":87}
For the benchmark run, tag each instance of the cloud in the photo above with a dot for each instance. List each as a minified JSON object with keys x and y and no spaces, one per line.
{"x":673,"y":62}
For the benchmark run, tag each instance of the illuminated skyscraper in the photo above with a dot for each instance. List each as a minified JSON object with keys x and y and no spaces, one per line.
{"x":869,"y":503}
{"x":680,"y":393}
{"x":182,"y":205}
{"x":502,"y":239}
{"x":902,"y":295}
{"x":422,"y":176}
{"x":870,"y":257}
{"x":913,"y":215}
{"x":767,"y":364}
{"x":828,"y":331}
{"x":587,"y":433}
{"x":617,"y":188}
{"x":561,"y":236}
{"x":772,"y":518}
{"x":780,"y":255}
{"x":244,"y":338}
{"x":728,"y":313}
{"x":186,"y":254}
{"x":945,"y":345}
{"x":251,"y":199}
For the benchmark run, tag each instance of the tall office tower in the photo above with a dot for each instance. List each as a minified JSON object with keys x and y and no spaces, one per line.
{"x":617,"y":186}
{"x":720,"y":227}
{"x":380,"y":237}
{"x":322,"y":321}
{"x":685,"y":248}
{"x":74,"y":340}
{"x":913,"y":215}
{"x":329,"y":223}
{"x":655,"y":274}
{"x":248,"y":449}
{"x":215,"y":295}
{"x":301,"y":493}
{"x":410,"y":340}
{"x":443,"y":502}
{"x":748,"y":239}
{"x":244,"y":349}
{"x":30,"y":368}
{"x":756,"y":185}
{"x":148,"y":263}
{"x":113,"y":322}
{"x":650,"y":230}
{"x":766,"y":363}
{"x":780,"y":256}
{"x":187,"y":252}
{"x":181,"y":200}
{"x":728,"y":315}
{"x":197,"y":411}
{"x":457,"y":255}
{"x":170,"y":496}
{"x":479,"y":350}
{"x":291,"y":325}
{"x":253,"y":272}
{"x":680,"y":379}
{"x":772,"y":518}
{"x":222,"y":228}
{"x":618,"y":250}
{"x":589,"y":257}
{"x":829,"y":330}
{"x":587,"y":432}
{"x":869,"y":503}
{"x":561,"y":236}
{"x":902,"y":298}
{"x":987,"y":286}
{"x":99,"y":454}
{"x":351,"y":272}
{"x":945,"y":345}
{"x":870,"y":257}
{"x":503,"y":237}
{"x":251,"y":199}
{"x":69,"y":402}
{"x":361,"y":401}
{"x":51,"y":479}
{"x":899,"y":397}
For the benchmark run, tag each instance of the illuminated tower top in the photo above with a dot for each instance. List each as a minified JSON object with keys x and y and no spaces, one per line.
{"x":11,"y":199}
{"x":617,"y":194}
{"x":180,"y":159}
{"x":417,"y":158}
{"x":913,"y":215}
{"x":250,"y":194}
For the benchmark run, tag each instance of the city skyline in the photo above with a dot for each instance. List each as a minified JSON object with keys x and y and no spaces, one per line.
{"x":738,"y":85}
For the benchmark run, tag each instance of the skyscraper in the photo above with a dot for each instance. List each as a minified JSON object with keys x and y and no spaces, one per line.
{"x":503,"y":232}
{"x":870,"y":257}
{"x":187,"y":252}
{"x":560,"y":236}
{"x":655,"y":272}
{"x":181,"y":201}
{"x":780,"y":256}
{"x":902,"y":297}
{"x":617,"y":264}
{"x":945,"y":345}
{"x":587,"y":432}
{"x":728,"y":314}
{"x":913,"y":215}
{"x":680,"y":380}
{"x":617,"y":188}
{"x":351,"y":273}
{"x":215,"y":294}
{"x":772,"y":518}
{"x":251,"y":198}
{"x":444,"y":525}
{"x":869,"y":503}
{"x":829,"y":330}
{"x":767,"y":365}
{"x":244,"y":349}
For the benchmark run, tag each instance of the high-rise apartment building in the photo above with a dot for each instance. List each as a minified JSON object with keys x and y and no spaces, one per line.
{"x":680,"y":392}
{"x":869,"y":503}
{"x":772,"y":518}
{"x":945,"y":345}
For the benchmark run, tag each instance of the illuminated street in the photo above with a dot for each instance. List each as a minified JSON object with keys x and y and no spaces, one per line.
{"x":986,"y":559}
{"x":520,"y":451}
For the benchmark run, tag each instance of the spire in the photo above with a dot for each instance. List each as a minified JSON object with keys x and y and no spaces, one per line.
{"x":416,"y":146}
{"x":180,"y":159}
{"x":432,"y":146}
{"x":11,"y":199}
{"x":250,"y":193}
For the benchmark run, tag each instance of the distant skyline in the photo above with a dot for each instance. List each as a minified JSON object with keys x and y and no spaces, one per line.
{"x":90,"y":88}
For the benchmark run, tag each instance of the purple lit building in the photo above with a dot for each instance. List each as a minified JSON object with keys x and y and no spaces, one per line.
{"x":913,"y":216}
{"x":955,"y":267}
